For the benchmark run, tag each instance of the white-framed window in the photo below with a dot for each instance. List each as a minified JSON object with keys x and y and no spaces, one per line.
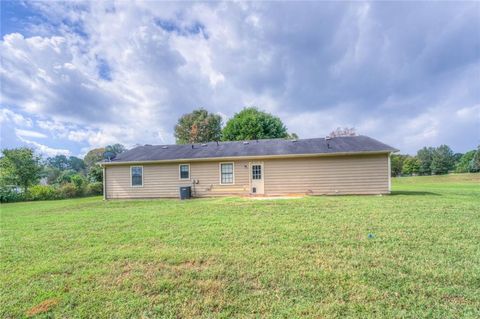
{"x":227,"y":175}
{"x":136,"y":176}
{"x":184,"y":171}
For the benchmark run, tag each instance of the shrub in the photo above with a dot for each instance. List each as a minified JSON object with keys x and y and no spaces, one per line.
{"x":9,"y":194}
{"x":66,"y":176}
{"x":42,"y":192}
{"x":80,"y":184}
{"x":95,"y":189}
{"x":68,"y":190}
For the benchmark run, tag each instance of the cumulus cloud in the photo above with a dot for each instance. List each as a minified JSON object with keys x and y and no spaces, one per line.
{"x":7,"y":115}
{"x":95,"y":73}
{"x":44,"y":149}
{"x":29,"y":133}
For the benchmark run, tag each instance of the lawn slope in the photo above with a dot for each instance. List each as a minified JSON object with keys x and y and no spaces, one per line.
{"x":414,"y":253}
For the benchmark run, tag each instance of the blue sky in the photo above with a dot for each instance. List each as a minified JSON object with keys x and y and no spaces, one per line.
{"x":79,"y":75}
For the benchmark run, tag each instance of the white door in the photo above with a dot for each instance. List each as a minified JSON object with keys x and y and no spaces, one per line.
{"x":256,"y":178}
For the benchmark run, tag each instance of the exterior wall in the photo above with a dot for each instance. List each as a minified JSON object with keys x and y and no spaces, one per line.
{"x":361,"y":174}
{"x":353,"y":174}
{"x":162,"y":180}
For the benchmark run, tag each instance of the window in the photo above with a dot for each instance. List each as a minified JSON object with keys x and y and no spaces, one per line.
{"x":256,"y":171}
{"x":184,"y":171}
{"x":226,"y":173}
{"x":136,"y":173}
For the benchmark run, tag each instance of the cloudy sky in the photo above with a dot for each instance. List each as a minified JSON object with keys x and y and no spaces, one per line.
{"x":79,"y":75}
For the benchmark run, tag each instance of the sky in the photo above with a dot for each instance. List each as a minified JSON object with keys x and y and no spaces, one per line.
{"x":80,"y":75}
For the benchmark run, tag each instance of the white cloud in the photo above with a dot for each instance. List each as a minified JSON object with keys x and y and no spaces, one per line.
{"x":135,"y":67}
{"x":29,"y":133}
{"x":44,"y":149}
{"x":7,"y":115}
{"x":471,"y":113}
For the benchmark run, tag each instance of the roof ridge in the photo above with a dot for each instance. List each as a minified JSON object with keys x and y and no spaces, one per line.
{"x":255,"y":140}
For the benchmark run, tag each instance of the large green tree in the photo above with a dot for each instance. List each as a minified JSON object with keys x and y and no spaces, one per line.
{"x":94,"y":156}
{"x":475,"y":162}
{"x":91,"y":159}
{"x":20,"y":167}
{"x":442,"y":160}
{"x":77,"y":164}
{"x":425,"y":156}
{"x":396,"y":164}
{"x":199,"y":126}
{"x":111,"y":151}
{"x":411,"y":166}
{"x":58,"y":161}
{"x":253,"y":124}
{"x":62,"y":163}
{"x":463,"y":165}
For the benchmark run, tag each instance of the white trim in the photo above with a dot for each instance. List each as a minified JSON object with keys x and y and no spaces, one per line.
{"x":220,"y":173}
{"x":250,"y":175}
{"x":131,"y":176}
{"x":104,"y":183}
{"x":238,"y":158}
{"x":389,"y":174}
{"x":180,"y":173}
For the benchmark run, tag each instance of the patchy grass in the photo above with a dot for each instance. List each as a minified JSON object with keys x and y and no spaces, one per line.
{"x":413,"y":254}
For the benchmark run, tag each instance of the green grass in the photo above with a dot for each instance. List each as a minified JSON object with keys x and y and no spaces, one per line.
{"x":412,"y":254}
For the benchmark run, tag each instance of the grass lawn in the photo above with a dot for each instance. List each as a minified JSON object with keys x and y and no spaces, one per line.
{"x":415,"y":254}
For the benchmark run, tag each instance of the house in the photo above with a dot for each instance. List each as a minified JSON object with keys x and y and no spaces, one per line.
{"x":339,"y":165}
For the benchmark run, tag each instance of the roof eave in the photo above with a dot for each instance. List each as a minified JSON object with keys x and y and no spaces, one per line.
{"x":256,"y":157}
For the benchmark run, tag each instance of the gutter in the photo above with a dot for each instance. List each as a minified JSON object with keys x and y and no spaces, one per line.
{"x":255,"y":157}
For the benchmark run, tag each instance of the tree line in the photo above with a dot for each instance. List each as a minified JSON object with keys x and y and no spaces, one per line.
{"x":435,"y":161}
{"x":24,"y":175}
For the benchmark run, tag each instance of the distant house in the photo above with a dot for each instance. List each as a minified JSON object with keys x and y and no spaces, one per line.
{"x":339,"y":165}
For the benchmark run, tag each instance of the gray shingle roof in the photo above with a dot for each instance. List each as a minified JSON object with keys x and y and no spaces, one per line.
{"x":351,"y":144}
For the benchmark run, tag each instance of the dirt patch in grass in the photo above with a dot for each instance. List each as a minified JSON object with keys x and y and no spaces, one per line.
{"x":42,"y":307}
{"x":458,"y":300}
{"x":150,"y":271}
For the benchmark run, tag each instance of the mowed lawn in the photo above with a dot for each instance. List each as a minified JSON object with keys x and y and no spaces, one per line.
{"x":413,"y":254}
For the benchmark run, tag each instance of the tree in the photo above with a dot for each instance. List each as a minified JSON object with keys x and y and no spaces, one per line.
{"x":411,"y":166}
{"x":475,"y":162}
{"x":66,"y":176}
{"x":346,"y":131}
{"x":95,"y":174}
{"x":457,"y":157}
{"x":199,"y":126}
{"x":252,"y":124}
{"x":59,"y":161}
{"x":94,"y":156}
{"x":52,"y":174}
{"x":442,"y":160}
{"x":20,"y":167}
{"x":94,"y":171}
{"x":396,"y":164}
{"x":111,"y":151}
{"x":424,"y":156}
{"x":76,"y":164}
{"x":292,"y":136}
{"x":463,"y":165}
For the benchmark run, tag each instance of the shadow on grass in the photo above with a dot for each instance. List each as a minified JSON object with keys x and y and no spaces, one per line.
{"x":410,"y":193}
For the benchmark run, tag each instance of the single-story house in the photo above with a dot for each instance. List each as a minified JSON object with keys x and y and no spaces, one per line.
{"x":271,"y":167}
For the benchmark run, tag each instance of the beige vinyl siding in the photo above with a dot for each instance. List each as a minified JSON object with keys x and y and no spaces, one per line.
{"x":350,"y":174}
{"x":360,"y":174}
{"x":162,"y":180}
